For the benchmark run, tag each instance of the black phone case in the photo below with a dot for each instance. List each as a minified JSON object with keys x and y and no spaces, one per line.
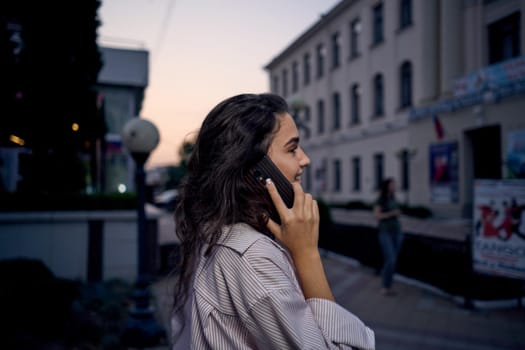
{"x":265,"y":169}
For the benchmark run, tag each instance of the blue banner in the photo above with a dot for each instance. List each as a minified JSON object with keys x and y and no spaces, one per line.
{"x":444,"y":177}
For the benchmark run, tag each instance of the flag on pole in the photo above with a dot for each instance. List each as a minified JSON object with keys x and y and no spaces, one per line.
{"x":100,"y":100}
{"x":438,"y":128}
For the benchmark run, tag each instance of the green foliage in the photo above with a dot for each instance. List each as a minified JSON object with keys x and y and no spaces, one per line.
{"x":175,"y":176}
{"x":325,"y":217}
{"x":418,"y":211}
{"x":354,"y":205}
{"x":185,"y":150}
{"x":52,"y":202}
{"x":65,"y":314}
{"x":100,"y":314}
{"x":48,"y":86}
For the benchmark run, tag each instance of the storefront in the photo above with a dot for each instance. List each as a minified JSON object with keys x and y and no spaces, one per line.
{"x":477,"y":134}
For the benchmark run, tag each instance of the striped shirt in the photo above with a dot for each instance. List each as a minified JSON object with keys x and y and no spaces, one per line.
{"x":245,"y":295}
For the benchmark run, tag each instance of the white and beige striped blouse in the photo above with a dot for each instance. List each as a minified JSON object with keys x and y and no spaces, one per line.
{"x":246,"y":296}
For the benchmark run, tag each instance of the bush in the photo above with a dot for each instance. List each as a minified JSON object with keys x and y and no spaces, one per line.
{"x":413,"y":211}
{"x":41,"y":311}
{"x":35,"y":304}
{"x":416,"y":211}
{"x":325,"y":218}
{"x":358,"y":205}
{"x":352,"y":205}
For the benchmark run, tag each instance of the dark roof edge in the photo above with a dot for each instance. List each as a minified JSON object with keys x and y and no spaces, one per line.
{"x":111,"y":48}
{"x":315,"y":28}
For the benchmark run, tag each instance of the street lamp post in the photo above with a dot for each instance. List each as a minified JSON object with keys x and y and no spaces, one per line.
{"x":140,"y":137}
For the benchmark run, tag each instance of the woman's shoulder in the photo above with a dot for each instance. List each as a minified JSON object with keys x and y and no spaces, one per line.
{"x":256,"y":256}
{"x":242,"y":237}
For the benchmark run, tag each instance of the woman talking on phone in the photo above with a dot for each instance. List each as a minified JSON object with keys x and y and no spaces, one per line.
{"x":387,"y":212}
{"x":249,"y":279}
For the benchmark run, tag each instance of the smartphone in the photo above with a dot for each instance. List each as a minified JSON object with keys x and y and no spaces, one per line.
{"x":265,"y":169}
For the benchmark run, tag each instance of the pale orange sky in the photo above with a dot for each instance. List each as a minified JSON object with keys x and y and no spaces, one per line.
{"x":202,"y":51}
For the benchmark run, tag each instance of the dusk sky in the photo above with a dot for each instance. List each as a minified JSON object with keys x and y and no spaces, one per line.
{"x":201,"y":52}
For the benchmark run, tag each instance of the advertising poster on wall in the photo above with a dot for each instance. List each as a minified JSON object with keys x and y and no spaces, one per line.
{"x":498,"y":244}
{"x":516,"y":155}
{"x":444,"y":172}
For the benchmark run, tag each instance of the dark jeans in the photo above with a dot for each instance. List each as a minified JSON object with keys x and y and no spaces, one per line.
{"x":390,"y":242}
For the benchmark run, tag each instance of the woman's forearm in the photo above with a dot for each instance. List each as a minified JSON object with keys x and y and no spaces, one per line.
{"x":381,"y":215}
{"x":311,"y":276}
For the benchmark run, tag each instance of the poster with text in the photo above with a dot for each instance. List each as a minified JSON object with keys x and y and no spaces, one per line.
{"x":498,"y":243}
{"x":444,"y":172}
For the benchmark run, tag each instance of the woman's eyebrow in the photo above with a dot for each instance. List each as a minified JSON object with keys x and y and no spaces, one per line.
{"x":293,"y":140}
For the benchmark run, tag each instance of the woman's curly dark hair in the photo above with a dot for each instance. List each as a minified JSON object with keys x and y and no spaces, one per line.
{"x":216,"y":192}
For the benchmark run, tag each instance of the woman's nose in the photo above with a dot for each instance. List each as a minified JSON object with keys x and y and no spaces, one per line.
{"x":305,"y":161}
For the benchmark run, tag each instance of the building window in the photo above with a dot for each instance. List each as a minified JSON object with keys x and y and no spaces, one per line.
{"x":378,"y":95}
{"x":275,"y":84}
{"x":405,"y":80}
{"x":307,"y":114}
{"x":285,"y":82}
{"x":356,"y":172}
{"x":336,"y":49}
{"x":337,"y":175}
{"x":295,"y":77}
{"x":320,"y":60}
{"x":306,"y":69}
{"x":320,"y":117}
{"x":504,"y":38}
{"x":405,"y":175}
{"x":308,"y":178}
{"x":320,"y":177}
{"x":306,"y":122}
{"x":405,"y":13}
{"x":377,"y":32}
{"x":378,"y":170}
{"x":355,"y":104}
{"x":336,"y":101}
{"x":355,"y":32}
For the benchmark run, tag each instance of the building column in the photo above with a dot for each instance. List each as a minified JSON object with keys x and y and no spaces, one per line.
{"x":451,"y":45}
{"x":429,"y":49}
{"x":472,"y":28}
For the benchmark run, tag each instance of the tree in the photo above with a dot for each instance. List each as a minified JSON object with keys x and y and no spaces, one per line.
{"x":50,"y":63}
{"x":185,"y":150}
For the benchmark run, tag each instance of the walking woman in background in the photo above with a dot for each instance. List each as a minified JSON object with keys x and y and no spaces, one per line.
{"x":245,"y":281}
{"x":386,"y":211}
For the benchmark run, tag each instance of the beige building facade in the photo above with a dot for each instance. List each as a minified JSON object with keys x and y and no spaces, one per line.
{"x":387,"y":89}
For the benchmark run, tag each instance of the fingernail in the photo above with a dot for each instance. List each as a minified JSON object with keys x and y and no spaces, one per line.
{"x":268,"y":181}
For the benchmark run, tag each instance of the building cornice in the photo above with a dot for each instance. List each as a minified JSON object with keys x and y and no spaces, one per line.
{"x":310,"y":32}
{"x":387,"y":127}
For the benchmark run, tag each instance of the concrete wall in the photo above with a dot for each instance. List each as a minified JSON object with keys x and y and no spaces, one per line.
{"x":73,"y":247}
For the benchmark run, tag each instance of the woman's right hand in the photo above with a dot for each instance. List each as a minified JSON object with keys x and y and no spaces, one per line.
{"x":299,"y":229}
{"x":299,"y":233}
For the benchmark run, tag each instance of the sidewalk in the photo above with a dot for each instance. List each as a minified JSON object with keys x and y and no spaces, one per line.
{"x":416,"y":318}
{"x":455,"y":230}
{"x":419,"y":318}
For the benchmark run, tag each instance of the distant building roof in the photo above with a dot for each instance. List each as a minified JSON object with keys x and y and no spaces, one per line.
{"x":124,"y":67}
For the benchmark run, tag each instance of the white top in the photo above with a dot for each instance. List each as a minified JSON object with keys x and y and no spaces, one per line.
{"x":245,"y":295}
